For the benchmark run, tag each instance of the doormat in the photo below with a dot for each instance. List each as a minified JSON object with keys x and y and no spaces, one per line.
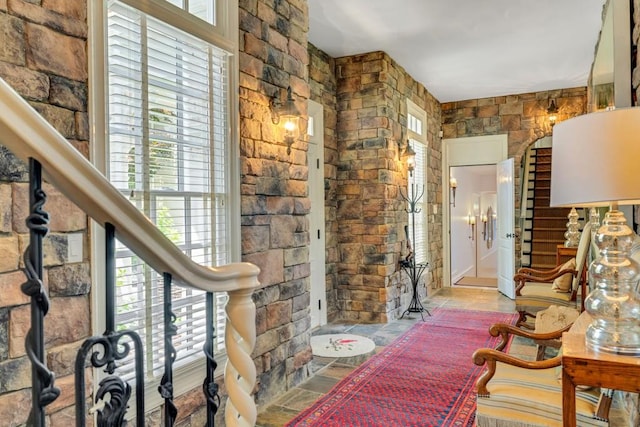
{"x":485,"y":282}
{"x":341,"y":345}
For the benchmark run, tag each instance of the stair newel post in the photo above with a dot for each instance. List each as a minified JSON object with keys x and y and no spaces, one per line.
{"x":43,"y":391}
{"x":166,"y":385}
{"x":240,"y":370}
{"x":210,"y":387}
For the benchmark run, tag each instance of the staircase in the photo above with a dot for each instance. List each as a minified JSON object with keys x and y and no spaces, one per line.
{"x":544,"y":226}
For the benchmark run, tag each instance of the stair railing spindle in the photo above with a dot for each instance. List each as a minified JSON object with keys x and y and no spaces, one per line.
{"x":43,"y":390}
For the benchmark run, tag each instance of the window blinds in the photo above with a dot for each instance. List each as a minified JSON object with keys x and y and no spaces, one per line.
{"x":167,"y":151}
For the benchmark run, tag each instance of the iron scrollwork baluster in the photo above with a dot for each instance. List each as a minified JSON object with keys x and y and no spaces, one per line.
{"x":111,"y":350}
{"x":166,"y":384}
{"x":210,"y":387}
{"x":43,"y":390}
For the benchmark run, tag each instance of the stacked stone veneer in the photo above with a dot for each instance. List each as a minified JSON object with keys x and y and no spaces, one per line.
{"x":371,"y":103}
{"x":275,"y":202}
{"x":522,"y":117}
{"x":43,"y":56}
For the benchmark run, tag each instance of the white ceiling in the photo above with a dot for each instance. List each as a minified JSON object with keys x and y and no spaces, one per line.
{"x":467,"y":49}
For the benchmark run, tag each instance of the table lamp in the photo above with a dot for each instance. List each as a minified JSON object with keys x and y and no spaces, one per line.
{"x":593,"y":163}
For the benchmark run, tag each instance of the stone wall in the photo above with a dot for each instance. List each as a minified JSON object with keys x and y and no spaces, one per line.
{"x":522,"y":117}
{"x":322,"y":81}
{"x":42,"y":56}
{"x":275,"y":202}
{"x":372,"y":90}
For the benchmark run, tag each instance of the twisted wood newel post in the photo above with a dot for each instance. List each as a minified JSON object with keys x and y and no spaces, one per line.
{"x":240,"y":371}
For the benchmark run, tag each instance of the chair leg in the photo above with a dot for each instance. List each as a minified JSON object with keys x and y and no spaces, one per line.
{"x":541,"y":350}
{"x":522,"y":320}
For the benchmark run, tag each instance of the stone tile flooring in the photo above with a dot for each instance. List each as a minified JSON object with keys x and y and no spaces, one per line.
{"x":328,"y":371}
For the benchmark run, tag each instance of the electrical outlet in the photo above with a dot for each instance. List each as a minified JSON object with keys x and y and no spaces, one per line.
{"x":74,"y":247}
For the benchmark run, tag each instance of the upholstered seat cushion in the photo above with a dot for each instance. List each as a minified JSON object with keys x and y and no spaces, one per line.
{"x":538,"y":296}
{"x":531,"y":398}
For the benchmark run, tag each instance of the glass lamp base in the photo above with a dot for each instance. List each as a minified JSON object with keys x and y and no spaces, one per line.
{"x":624,"y":341}
{"x":613,"y":303}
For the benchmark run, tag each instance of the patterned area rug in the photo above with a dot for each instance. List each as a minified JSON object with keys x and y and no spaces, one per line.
{"x":424,"y":378}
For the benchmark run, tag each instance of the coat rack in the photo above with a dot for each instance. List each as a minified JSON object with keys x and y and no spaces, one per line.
{"x":411,"y":268}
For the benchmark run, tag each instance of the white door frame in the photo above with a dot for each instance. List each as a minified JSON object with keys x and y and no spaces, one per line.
{"x":317,"y":245}
{"x":468,"y":151}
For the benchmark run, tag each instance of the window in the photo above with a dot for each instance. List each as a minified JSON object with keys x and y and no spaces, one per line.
{"x":416,"y":117}
{"x":168,"y":149}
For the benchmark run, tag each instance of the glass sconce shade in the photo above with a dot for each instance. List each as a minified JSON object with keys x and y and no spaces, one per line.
{"x":613,"y":302}
{"x":287,"y":114}
{"x":410,"y":155}
{"x":453,"y":184}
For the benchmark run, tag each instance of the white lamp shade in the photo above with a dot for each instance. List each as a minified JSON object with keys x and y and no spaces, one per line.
{"x":596,"y":159}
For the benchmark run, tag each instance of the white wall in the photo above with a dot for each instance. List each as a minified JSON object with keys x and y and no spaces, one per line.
{"x":471,"y":257}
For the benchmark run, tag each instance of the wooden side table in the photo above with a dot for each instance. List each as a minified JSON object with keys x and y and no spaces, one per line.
{"x":582,"y":365}
{"x":564,"y":254}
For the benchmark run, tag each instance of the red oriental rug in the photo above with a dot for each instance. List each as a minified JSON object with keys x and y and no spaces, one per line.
{"x":424,"y":378}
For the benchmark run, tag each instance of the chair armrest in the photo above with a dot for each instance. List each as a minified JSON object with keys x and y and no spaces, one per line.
{"x":504,"y":330}
{"x":545,"y":279}
{"x":491,"y":356}
{"x":534,"y":272}
{"x":522,"y":279}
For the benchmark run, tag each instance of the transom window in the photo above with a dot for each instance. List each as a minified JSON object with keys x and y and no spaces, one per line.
{"x":416,"y":119}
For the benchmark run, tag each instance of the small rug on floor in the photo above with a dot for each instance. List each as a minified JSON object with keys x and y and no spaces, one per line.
{"x":341,"y":345}
{"x":424,"y":378}
{"x":486,"y":282}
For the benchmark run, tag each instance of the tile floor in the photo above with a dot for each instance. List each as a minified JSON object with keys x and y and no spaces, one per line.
{"x":328,"y":371}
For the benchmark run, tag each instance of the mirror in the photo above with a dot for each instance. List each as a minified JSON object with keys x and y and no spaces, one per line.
{"x":610,"y":82}
{"x":489,"y":220}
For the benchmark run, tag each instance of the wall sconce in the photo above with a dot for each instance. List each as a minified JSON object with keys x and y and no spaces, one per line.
{"x":288,"y":114}
{"x":411,"y":158}
{"x":453,"y":184}
{"x":552,"y":111}
{"x":471,"y":219}
{"x":484,"y":226}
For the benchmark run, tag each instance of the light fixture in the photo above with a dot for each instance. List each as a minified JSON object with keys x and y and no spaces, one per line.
{"x":484,"y":226}
{"x":552,"y":111}
{"x":287,"y":114}
{"x":453,"y":184}
{"x":594,"y":163}
{"x":471,"y":219}
{"x":411,"y":158}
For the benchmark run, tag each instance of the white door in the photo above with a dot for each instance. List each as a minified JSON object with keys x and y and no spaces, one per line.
{"x":316,"y":215}
{"x":506,"y":231}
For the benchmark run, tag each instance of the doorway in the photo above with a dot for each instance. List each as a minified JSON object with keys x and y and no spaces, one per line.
{"x":458,"y":155}
{"x":473,"y":226}
{"x":317,"y":262}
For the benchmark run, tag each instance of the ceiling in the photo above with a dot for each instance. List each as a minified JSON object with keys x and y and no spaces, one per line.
{"x":467,"y":49}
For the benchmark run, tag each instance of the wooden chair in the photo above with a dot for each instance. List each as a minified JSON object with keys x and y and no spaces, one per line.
{"x":521,"y":393}
{"x":535,"y":288}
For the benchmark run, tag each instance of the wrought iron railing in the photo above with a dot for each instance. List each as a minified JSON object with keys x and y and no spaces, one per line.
{"x":32,"y":139}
